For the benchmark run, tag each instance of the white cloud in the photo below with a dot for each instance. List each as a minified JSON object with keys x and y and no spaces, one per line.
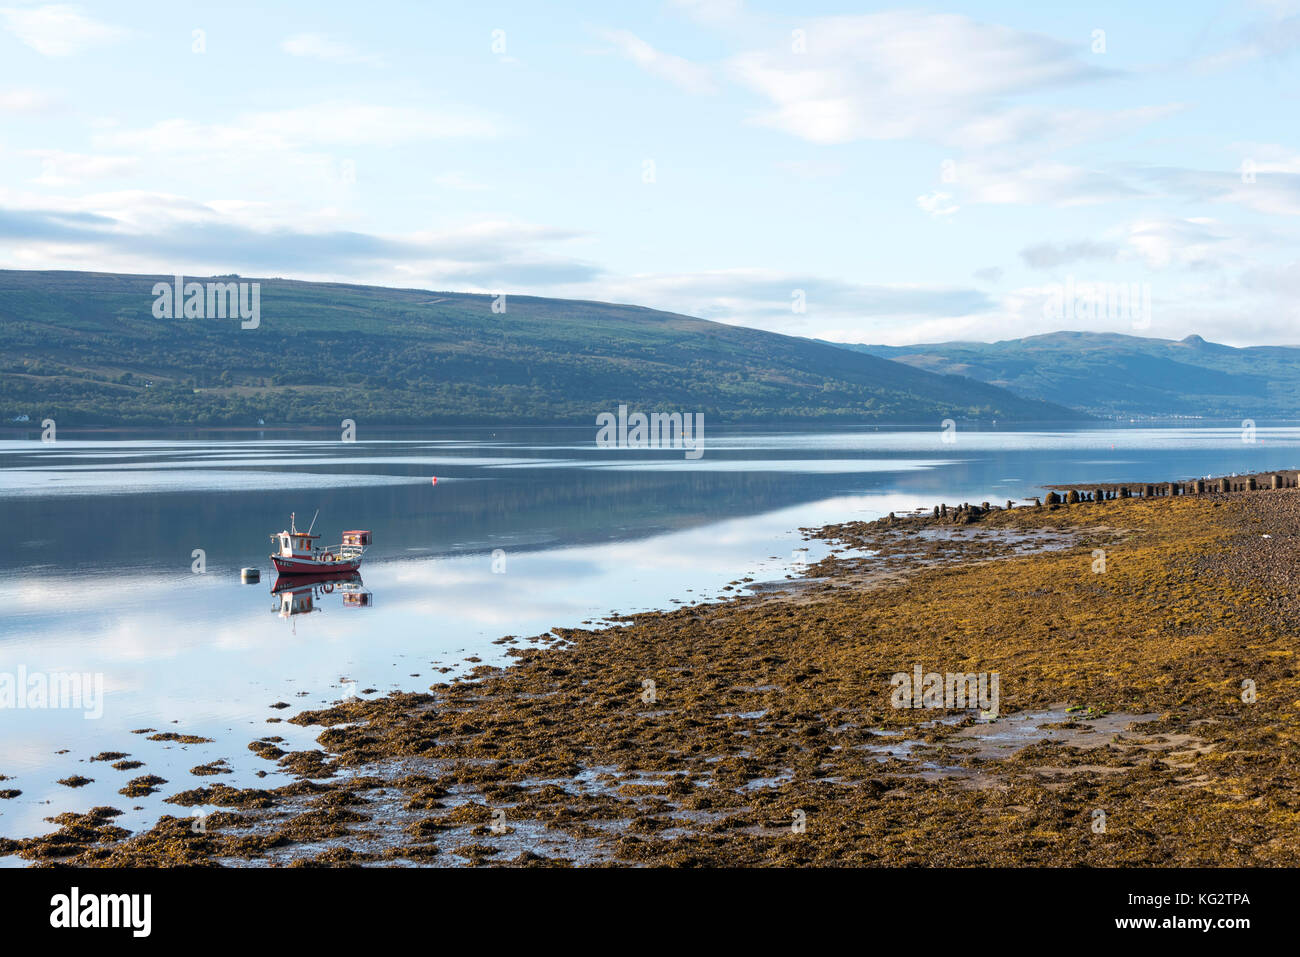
{"x":1050,"y":255}
{"x":681,"y":72}
{"x":710,"y":11}
{"x":1159,"y":243}
{"x":1040,"y":183}
{"x":139,"y":231}
{"x":1275,"y":35}
{"x":62,"y":169}
{"x":26,"y":101}
{"x":321,"y":47}
{"x":57,"y":29}
{"x":1275,"y":191}
{"x":1266,"y":158}
{"x":938,"y":205}
{"x":1197,"y":243}
{"x":329,"y":124}
{"x":767,"y":299}
{"x":904,"y":74}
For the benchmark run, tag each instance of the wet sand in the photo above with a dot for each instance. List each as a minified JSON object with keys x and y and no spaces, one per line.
{"x":761,"y":731}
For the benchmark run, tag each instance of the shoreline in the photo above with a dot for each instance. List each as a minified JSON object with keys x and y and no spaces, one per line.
{"x":759,"y":729}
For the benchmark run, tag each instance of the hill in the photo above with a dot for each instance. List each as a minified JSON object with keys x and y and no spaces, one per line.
{"x":86,"y":348}
{"x":1122,"y":376}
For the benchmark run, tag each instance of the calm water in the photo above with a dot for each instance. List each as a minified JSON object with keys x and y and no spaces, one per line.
{"x":524,"y":531}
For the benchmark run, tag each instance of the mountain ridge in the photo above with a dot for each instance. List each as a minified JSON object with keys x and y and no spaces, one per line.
{"x":86,"y":349}
{"x":1117,"y":375}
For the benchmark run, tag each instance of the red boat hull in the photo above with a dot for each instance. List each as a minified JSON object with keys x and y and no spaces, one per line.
{"x":310,"y":566}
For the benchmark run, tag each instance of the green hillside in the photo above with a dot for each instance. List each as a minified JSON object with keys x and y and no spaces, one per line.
{"x":1123,"y":376}
{"x":85,"y":348}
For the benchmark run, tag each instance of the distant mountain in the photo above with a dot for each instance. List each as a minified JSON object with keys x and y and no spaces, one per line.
{"x":86,"y":348}
{"x":1123,"y":376}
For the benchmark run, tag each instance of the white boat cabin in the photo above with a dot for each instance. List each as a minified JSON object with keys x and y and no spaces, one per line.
{"x":295,"y":544}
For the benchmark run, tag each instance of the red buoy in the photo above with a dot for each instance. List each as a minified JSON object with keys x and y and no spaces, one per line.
{"x":435,"y":480}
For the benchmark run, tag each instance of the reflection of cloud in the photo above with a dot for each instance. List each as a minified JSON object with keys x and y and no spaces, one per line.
{"x":800,"y":466}
{"x":19,"y":482}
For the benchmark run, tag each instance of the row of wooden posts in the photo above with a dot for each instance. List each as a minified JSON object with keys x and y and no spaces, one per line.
{"x":1247,"y":483}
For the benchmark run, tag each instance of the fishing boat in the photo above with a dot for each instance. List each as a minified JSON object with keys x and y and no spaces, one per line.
{"x":299,"y":553}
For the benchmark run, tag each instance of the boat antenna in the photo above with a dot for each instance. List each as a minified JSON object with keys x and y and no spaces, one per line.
{"x":313,"y":522}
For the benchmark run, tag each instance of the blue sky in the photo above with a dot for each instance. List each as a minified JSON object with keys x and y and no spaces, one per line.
{"x":909,"y":173}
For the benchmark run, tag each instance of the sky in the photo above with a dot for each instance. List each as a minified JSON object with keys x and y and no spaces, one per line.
{"x":846,"y":171}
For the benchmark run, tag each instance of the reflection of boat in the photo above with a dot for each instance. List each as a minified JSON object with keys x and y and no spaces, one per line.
{"x":299,"y":555}
{"x":298,"y":594}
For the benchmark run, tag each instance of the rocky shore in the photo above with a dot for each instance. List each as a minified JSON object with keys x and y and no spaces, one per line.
{"x":1148,"y":713}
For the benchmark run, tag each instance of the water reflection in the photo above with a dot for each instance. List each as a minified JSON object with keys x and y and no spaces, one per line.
{"x":522,"y":533}
{"x":300,"y":594}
